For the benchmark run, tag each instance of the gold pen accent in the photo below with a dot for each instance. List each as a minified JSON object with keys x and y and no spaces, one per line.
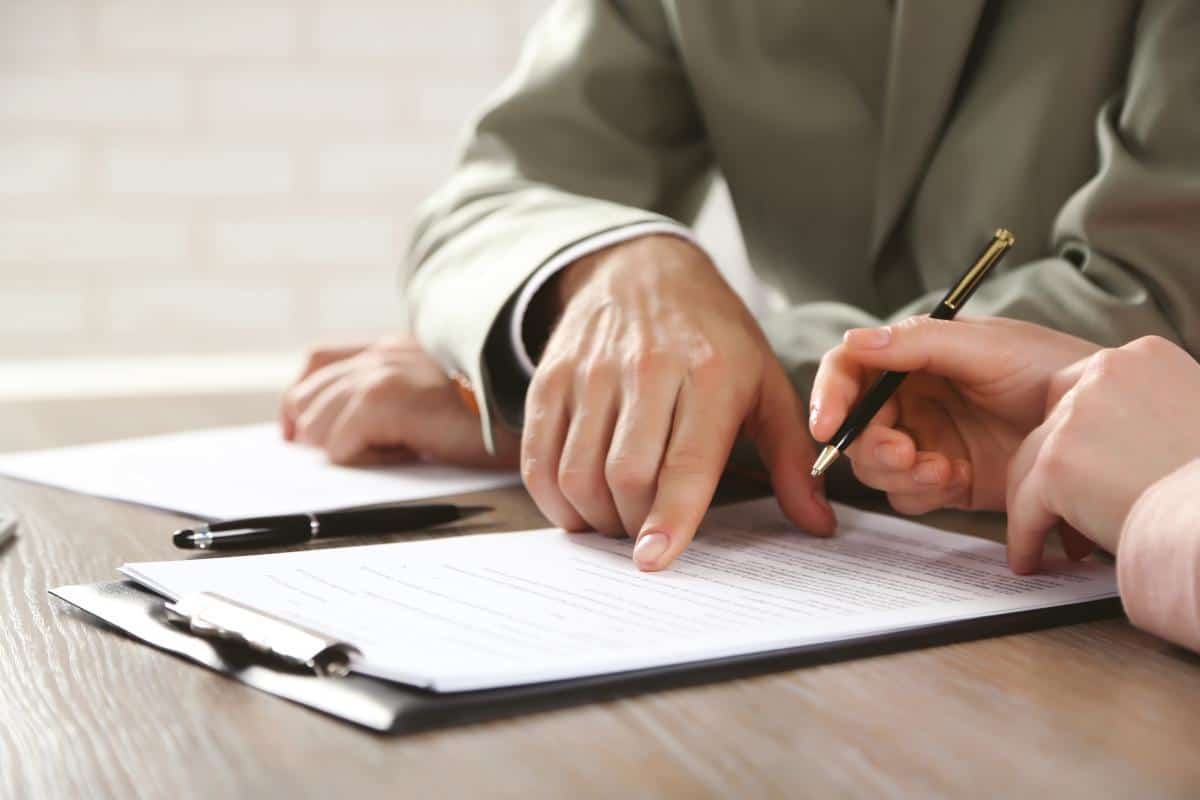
{"x":1001,"y":242}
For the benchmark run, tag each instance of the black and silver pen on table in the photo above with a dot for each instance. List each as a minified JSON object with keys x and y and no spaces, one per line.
{"x":887,"y":383}
{"x":288,"y":529}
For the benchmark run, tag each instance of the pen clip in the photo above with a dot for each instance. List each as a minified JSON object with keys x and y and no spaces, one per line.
{"x":216,"y":617}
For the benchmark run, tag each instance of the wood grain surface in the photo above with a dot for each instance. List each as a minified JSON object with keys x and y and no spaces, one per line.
{"x":1096,"y":710}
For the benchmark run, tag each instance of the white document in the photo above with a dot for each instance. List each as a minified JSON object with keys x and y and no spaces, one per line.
{"x":237,"y":472}
{"x":490,"y":610}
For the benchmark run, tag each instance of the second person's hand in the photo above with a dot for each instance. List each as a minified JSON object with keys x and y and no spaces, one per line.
{"x":1119,"y":422}
{"x":654,"y":367}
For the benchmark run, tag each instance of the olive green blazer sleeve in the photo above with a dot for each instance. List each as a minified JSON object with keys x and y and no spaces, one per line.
{"x":595,"y":130}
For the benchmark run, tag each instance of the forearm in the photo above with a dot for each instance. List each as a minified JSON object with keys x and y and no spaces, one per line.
{"x":1158,"y":558}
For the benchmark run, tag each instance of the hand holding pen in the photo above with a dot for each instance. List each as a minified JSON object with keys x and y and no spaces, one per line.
{"x":977,"y":387}
{"x":931,"y":439}
{"x":887,"y":383}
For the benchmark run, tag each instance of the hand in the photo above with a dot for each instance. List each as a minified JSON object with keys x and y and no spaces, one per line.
{"x":653,"y":368}
{"x":1119,"y":421}
{"x":386,"y":401}
{"x":977,"y":387}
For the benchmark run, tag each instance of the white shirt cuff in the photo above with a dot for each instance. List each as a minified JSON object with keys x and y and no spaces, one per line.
{"x":569,"y":256}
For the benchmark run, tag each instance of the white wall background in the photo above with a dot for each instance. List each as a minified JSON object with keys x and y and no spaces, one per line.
{"x":225,"y":176}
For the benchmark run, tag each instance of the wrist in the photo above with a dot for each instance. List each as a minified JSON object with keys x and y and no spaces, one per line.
{"x":644,"y":261}
{"x":546,"y":306}
{"x":570,"y":281}
{"x":638,"y":253}
{"x":541,"y":304}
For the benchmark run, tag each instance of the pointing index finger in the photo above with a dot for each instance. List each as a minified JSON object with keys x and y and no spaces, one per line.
{"x":701,"y":438}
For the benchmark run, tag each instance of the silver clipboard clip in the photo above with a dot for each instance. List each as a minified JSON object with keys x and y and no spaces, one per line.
{"x":216,"y":617}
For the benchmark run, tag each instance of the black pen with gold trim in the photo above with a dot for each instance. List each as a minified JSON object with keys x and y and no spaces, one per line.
{"x":887,"y":383}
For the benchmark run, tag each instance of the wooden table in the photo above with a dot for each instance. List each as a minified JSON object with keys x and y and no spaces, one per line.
{"x":1098,"y":710}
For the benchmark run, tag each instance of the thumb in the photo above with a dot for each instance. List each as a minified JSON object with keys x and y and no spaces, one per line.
{"x":777,"y":428}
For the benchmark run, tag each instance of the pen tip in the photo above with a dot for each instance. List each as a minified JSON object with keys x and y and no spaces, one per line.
{"x":823,"y":462}
{"x":183,"y":539}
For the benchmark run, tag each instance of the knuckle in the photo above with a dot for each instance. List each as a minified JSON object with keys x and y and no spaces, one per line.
{"x":922,"y":329}
{"x":1053,"y":462}
{"x":708,"y":365}
{"x":686,"y":461}
{"x":393,"y":342}
{"x":291,"y":401}
{"x":534,"y":474}
{"x":317,"y":357}
{"x":911,"y":505}
{"x":629,"y":475}
{"x":1148,"y":345}
{"x":304,"y":431}
{"x":1104,"y":363}
{"x":313,"y":359}
{"x":578,"y":481}
{"x":380,"y":388}
{"x":551,"y":378}
{"x":648,"y":363}
{"x":538,"y":424}
{"x":910,"y":325}
{"x":598,"y":374}
{"x":831,"y":358}
{"x":1066,"y":415}
{"x":1053,"y":466}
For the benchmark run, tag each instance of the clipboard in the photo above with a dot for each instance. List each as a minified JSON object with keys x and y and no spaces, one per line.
{"x":271,"y":658}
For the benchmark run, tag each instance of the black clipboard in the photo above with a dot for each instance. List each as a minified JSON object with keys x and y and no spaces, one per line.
{"x":394,"y":708}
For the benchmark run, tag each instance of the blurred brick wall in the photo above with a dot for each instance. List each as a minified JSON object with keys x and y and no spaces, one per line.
{"x":219,"y":176}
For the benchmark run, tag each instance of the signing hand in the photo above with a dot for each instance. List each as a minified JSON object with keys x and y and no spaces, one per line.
{"x":386,"y":401}
{"x":1118,"y":422}
{"x":654,"y":367}
{"x":977,"y":387}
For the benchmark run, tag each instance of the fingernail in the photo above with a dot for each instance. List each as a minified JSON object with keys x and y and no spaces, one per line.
{"x":820,"y":499}
{"x":868,"y":337}
{"x":927,"y":472}
{"x":649,"y":547}
{"x":889,"y":454}
{"x":813,"y":413}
